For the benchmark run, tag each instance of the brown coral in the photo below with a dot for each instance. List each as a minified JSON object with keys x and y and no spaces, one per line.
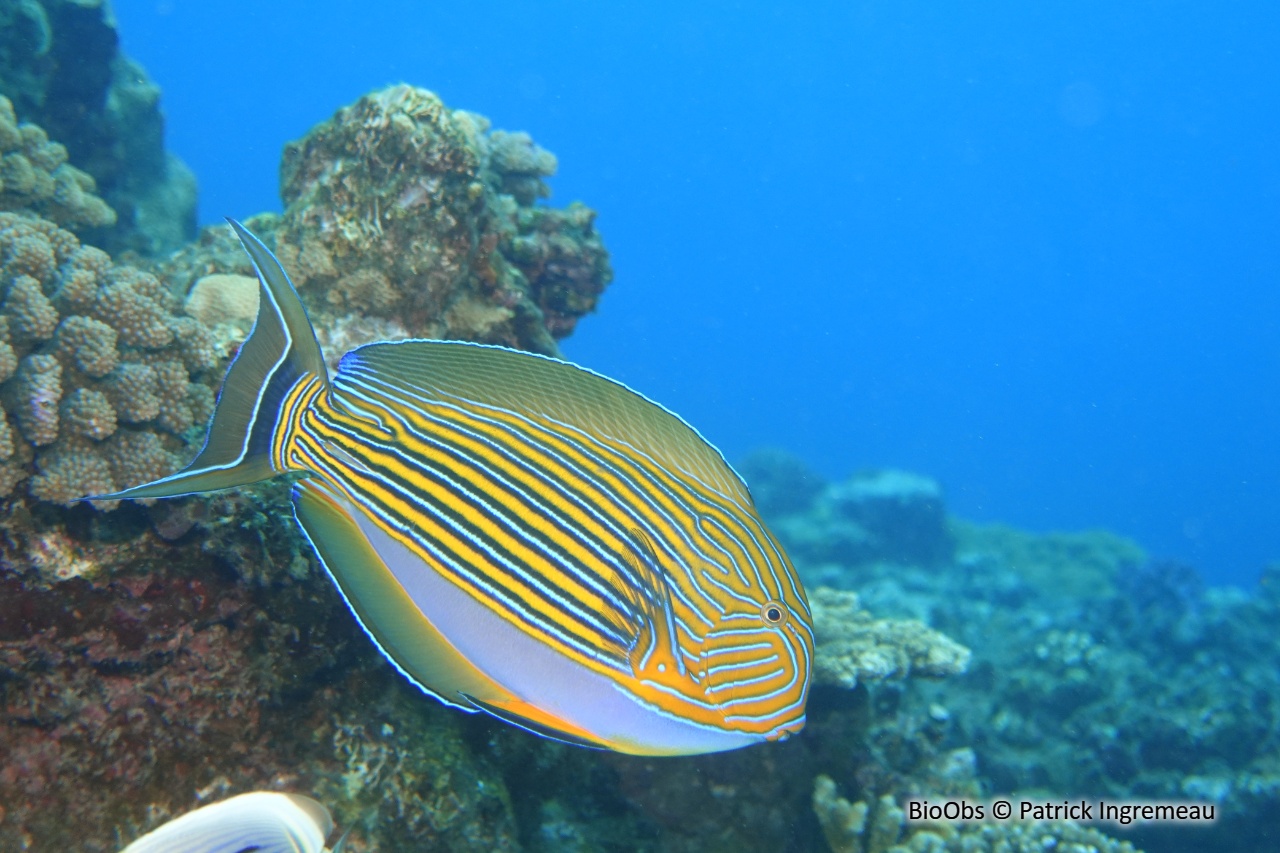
{"x":6,"y":437}
{"x":132,"y":391}
{"x":32,"y":398}
{"x":402,"y":209}
{"x":87,"y":413}
{"x":68,"y":475}
{"x":854,"y":646}
{"x":90,"y":344}
{"x":95,"y":368}
{"x":31,"y":315}
{"x":35,"y":175}
{"x":139,"y":319}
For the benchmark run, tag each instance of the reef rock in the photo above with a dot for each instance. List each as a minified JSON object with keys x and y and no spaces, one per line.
{"x":402,"y":209}
{"x":877,"y":516}
{"x":140,"y":677}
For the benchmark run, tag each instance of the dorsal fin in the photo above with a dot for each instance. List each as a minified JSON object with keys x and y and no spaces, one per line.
{"x":545,"y":388}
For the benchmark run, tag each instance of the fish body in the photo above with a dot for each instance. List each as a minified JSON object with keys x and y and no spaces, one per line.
{"x":261,"y":821}
{"x":519,"y":535}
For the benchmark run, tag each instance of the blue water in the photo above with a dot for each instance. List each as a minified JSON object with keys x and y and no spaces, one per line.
{"x":1029,"y":249}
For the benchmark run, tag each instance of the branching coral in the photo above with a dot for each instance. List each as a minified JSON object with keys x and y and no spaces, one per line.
{"x":95,"y":367}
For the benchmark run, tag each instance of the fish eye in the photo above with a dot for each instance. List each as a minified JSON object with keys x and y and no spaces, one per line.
{"x":773,"y":613}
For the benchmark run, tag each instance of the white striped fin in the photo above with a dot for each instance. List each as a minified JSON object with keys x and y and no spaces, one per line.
{"x":262,"y":821}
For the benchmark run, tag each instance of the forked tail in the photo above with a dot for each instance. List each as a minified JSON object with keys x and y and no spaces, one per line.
{"x":281,"y":349}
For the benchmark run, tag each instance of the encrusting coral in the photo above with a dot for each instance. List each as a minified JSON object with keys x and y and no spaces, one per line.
{"x":96,"y":368}
{"x":853,"y":646}
{"x":35,"y":176}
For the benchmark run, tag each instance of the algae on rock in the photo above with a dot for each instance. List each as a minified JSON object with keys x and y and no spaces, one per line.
{"x":401,"y":209}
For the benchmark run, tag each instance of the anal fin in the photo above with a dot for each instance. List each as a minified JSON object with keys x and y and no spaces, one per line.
{"x":532,"y":720}
{"x":400,"y":630}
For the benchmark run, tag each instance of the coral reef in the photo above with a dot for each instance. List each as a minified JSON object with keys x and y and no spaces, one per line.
{"x":407,"y":219}
{"x":782,"y":486}
{"x":410,"y":780}
{"x":61,"y":67}
{"x":211,"y":633}
{"x":1094,"y":672}
{"x":874,"y":516}
{"x":141,"y":676}
{"x":168,"y":654}
{"x":35,"y":176}
{"x":99,"y":377}
{"x":1103,"y":697}
{"x":750,"y":800}
{"x":1084,"y":564}
{"x":401,"y":209}
{"x":854,"y":646}
{"x":162,"y":655}
{"x":224,"y":298}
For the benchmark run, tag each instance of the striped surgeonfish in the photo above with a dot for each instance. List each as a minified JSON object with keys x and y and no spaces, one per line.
{"x":519,"y":535}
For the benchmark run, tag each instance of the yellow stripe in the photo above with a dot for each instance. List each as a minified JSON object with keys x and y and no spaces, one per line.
{"x":459,"y":544}
{"x":637,"y":493}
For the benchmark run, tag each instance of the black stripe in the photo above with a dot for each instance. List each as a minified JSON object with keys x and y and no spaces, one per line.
{"x":602,"y":636}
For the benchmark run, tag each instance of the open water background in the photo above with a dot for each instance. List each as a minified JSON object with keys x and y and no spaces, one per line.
{"x":1029,"y":249}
